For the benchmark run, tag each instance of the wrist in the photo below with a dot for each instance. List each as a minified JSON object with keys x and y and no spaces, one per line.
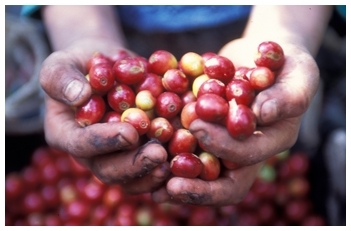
{"x":288,"y":24}
{"x":99,"y":23}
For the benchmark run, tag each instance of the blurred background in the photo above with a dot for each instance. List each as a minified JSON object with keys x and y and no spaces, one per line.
{"x":322,"y":138}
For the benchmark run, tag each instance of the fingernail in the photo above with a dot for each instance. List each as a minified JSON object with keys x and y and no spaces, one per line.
{"x":164,"y":167}
{"x":73,"y":90}
{"x":121,"y":142}
{"x":161,"y":171}
{"x":200,"y":134}
{"x":269,"y":111}
{"x":203,"y":138}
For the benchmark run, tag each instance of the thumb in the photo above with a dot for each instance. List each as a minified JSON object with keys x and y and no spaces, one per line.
{"x":62,"y":78}
{"x":290,"y":96}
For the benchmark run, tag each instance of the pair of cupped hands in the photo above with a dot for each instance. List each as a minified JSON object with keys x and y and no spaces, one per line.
{"x":106,"y":149}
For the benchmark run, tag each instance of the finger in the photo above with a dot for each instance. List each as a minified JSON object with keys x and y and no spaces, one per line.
{"x":149,"y":183}
{"x":63,"y":132}
{"x":63,"y":78}
{"x":161,"y":195}
{"x":124,"y":167}
{"x":292,"y":92}
{"x":265,"y":142}
{"x":226,"y":190}
{"x":295,"y":85}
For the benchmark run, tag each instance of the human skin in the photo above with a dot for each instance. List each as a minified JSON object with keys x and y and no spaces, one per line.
{"x":107,"y":151}
{"x":278,"y":109}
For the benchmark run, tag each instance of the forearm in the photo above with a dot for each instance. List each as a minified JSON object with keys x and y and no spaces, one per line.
{"x":68,"y":24}
{"x":303,"y":25}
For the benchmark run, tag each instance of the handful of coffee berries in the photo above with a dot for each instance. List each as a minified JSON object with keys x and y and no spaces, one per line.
{"x":161,"y":96}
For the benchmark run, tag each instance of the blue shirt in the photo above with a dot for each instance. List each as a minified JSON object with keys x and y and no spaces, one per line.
{"x":172,"y":18}
{"x":179,"y":18}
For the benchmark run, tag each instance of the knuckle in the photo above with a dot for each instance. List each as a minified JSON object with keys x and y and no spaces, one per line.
{"x":102,"y":175}
{"x":302,"y":103}
{"x":74,"y":148}
{"x":104,"y":179}
{"x":44,"y":76}
{"x":239,"y":198}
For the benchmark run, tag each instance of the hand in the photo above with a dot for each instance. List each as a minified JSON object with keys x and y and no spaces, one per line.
{"x":278,"y":110}
{"x":110,"y":151}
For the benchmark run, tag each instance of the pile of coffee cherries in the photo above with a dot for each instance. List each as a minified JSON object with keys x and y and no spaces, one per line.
{"x":55,"y":190}
{"x":161,"y":96}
